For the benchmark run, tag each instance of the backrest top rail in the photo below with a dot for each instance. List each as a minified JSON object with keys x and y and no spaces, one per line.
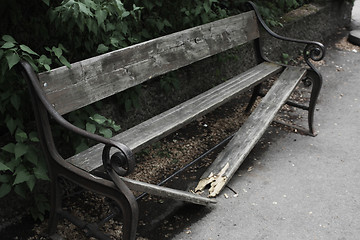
{"x":96,"y":78}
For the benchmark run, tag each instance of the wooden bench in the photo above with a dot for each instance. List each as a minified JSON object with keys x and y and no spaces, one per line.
{"x":64,"y":90}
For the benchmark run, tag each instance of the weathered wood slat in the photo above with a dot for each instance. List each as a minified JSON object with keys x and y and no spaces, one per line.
{"x":230,"y":159}
{"x":167,"y":192}
{"x":173,"y":119}
{"x":96,"y":78}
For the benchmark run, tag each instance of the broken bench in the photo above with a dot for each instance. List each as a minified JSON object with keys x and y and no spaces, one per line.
{"x":62,"y":90}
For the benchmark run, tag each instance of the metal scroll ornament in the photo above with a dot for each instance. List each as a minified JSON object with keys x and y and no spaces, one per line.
{"x":314,"y":51}
{"x":122,"y":162}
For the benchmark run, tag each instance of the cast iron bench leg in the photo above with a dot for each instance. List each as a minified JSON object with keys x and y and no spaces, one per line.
{"x":316,"y":79}
{"x":55,"y":204}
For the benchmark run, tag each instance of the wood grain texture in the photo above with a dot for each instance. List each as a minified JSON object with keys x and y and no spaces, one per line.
{"x":252,"y":130}
{"x":167,"y":192}
{"x":163,"y":124}
{"x":96,"y":78}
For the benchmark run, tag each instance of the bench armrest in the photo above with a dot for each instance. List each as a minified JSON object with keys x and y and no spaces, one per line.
{"x":122,"y":161}
{"x":313,"y":50}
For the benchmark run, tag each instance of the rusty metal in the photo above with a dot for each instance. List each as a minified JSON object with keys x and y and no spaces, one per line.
{"x":123,"y":162}
{"x":314,"y":51}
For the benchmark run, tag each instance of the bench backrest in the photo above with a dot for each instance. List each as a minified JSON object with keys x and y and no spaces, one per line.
{"x":96,"y":78}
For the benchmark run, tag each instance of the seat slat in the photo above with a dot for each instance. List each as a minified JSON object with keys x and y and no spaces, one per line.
{"x":96,"y":78}
{"x":161,"y":191}
{"x":169,"y":121}
{"x":229,"y":160}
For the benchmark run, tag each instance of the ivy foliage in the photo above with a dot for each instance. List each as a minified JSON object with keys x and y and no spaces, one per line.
{"x":51,"y":33}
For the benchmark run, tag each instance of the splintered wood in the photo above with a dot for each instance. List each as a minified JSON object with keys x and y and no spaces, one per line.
{"x":250,"y":133}
{"x":216,"y":182}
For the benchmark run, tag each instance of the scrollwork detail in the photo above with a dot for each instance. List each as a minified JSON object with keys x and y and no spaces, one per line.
{"x":314,"y":51}
{"x":122,"y":161}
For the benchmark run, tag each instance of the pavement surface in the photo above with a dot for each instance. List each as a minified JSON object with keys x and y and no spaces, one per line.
{"x":300,"y":187}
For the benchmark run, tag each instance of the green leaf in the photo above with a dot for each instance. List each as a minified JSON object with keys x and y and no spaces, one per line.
{"x":167,"y":23}
{"x":13,"y":164}
{"x":20,"y":135}
{"x":15,"y":101}
{"x":64,"y":61}
{"x":4,"y":189}
{"x":3,"y":167}
{"x":44,"y":60}
{"x":100,"y":16}
{"x":102,"y":48}
{"x":12,"y":59}
{"x":98,"y":118}
{"x":207,"y":7}
{"x":31,"y":156}
{"x":62,"y":47}
{"x":90,"y":127}
{"x":31,"y":61}
{"x":47,"y":67}
{"x":115,"y":126}
{"x":8,"y":38}
{"x":20,"y":150}
{"x":11,"y":125}
{"x":40,"y":172}
{"x":125,"y":14}
{"x":83,"y":8}
{"x":1,"y":53}
{"x":57,"y":51}
{"x":10,"y":147}
{"x":47,"y":2}
{"x":33,"y":136}
{"x":22,"y":175}
{"x":106,"y":132}
{"x":28,"y":50}
{"x":31,"y":182}
{"x":8,"y":45}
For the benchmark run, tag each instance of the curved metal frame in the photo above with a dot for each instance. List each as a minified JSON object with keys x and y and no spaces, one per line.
{"x":313,"y":51}
{"x":58,"y":167}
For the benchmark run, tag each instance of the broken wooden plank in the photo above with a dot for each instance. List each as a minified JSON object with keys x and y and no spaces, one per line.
{"x":169,"y":121}
{"x":96,"y":78}
{"x":167,"y":192}
{"x":230,"y":159}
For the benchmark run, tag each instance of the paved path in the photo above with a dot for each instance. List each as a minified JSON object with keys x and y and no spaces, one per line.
{"x":300,"y":187}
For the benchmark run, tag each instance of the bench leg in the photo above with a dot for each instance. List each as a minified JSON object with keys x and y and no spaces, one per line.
{"x":130,"y":216}
{"x":116,"y":190}
{"x":255,"y":94}
{"x":55,"y":205}
{"x":316,"y":79}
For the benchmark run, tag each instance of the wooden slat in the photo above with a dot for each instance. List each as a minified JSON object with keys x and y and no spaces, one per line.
{"x":173,"y":119}
{"x":96,"y":78}
{"x":167,"y":192}
{"x":230,"y":159}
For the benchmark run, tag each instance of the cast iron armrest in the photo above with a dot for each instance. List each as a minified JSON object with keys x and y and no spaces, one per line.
{"x":122,"y":161}
{"x":313,"y":50}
